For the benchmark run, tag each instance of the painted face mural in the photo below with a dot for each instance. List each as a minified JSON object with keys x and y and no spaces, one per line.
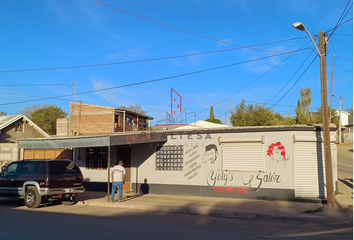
{"x":276,"y":151}
{"x":211,"y":153}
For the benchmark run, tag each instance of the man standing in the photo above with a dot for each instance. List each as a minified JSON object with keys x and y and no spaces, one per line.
{"x":5,"y":166}
{"x":118,"y":179}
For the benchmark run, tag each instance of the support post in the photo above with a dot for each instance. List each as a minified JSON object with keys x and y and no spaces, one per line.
{"x":340,"y":119}
{"x":109,"y":173}
{"x":325,"y":119}
{"x":230,"y":110}
{"x":330,"y":104}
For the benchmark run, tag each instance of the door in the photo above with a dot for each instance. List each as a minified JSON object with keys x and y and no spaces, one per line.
{"x":124,"y":154}
{"x":8,"y":180}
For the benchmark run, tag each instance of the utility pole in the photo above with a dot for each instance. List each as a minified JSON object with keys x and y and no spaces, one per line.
{"x":77,"y":115}
{"x":330,"y":105}
{"x":230,"y":110}
{"x":325,"y":119}
{"x":340,"y":119}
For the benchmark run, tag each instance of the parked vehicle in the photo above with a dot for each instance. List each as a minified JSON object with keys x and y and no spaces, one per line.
{"x":40,"y":181}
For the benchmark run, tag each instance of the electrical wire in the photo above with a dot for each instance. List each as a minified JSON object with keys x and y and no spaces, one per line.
{"x":256,"y":79}
{"x":345,"y":58}
{"x":341,"y":18}
{"x":292,"y":76}
{"x":26,"y":95}
{"x":32,"y":85}
{"x":343,"y":69}
{"x":156,"y":80}
{"x":277,"y":104}
{"x":342,"y":42}
{"x":339,"y":25}
{"x":181,"y":30}
{"x":138,"y":61}
{"x":294,"y":83}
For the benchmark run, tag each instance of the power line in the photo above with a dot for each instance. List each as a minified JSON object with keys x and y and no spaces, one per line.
{"x":26,"y":95}
{"x":343,"y":69}
{"x":277,"y":104}
{"x":342,"y":42}
{"x":345,"y":58}
{"x":155,"y":80}
{"x":346,"y":35}
{"x":294,"y":83}
{"x":138,"y":61}
{"x":32,"y":85}
{"x":339,"y":25}
{"x":181,"y":30}
{"x":341,"y":18}
{"x":292,"y":76}
{"x":255,"y":79}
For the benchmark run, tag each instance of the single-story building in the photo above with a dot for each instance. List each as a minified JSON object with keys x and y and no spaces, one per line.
{"x":274,"y":162}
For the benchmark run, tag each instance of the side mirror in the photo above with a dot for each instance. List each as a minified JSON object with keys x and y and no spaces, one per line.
{"x":3,"y":174}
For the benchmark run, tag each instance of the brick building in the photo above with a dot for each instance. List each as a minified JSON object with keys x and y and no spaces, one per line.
{"x":92,"y":119}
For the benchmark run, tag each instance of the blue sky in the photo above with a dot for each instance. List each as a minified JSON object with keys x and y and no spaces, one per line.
{"x":62,"y":33}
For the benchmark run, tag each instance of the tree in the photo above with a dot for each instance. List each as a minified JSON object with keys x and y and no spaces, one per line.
{"x":137,"y":108}
{"x":3,"y":113}
{"x":303,"y":106}
{"x":214,"y":121}
{"x":350,"y":110}
{"x":46,"y":118}
{"x":212,"y":117}
{"x":29,"y":110}
{"x":283,"y":120}
{"x":334,"y":115}
{"x":252,"y":115}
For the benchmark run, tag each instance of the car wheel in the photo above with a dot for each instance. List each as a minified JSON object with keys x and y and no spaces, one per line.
{"x":32,"y":198}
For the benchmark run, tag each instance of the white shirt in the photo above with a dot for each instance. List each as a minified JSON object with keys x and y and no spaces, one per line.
{"x":118,"y":173}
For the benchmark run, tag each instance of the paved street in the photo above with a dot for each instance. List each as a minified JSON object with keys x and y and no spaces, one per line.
{"x":345,"y":173}
{"x":83,"y":222}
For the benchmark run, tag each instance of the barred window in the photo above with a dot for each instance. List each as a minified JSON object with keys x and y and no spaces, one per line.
{"x":96,"y":158}
{"x":169,"y":157}
{"x":19,"y":127}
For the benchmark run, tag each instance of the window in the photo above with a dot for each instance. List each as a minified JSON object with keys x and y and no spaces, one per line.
{"x":96,"y":158}
{"x":11,"y":169}
{"x":19,"y":127}
{"x":33,"y":168}
{"x":169,"y":158}
{"x":57,"y":167}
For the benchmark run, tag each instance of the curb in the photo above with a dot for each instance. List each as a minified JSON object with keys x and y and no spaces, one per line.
{"x":221,"y":213}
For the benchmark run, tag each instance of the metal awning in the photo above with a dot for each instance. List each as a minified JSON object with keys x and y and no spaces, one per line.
{"x":93,"y":140}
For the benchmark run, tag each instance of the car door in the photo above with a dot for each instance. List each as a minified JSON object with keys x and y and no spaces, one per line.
{"x":8,"y":180}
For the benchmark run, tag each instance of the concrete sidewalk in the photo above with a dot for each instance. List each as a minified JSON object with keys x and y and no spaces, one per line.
{"x":227,"y":207}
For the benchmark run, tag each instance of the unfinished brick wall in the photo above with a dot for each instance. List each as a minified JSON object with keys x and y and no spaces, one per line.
{"x":92,"y":119}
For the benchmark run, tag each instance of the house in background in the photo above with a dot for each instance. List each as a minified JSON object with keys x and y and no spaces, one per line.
{"x":92,"y":119}
{"x":12,"y":128}
{"x":346,"y":127}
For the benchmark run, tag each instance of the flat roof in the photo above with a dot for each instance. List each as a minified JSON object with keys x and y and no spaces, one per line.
{"x":131,"y":138}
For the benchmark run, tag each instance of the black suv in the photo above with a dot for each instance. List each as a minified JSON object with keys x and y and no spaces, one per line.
{"x":39,"y":181}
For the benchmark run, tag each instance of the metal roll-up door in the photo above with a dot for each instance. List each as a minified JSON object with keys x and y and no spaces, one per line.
{"x":243,"y":155}
{"x":309,"y":167}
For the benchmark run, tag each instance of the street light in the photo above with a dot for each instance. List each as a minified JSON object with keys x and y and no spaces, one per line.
{"x":301,"y":27}
{"x":325,"y":116}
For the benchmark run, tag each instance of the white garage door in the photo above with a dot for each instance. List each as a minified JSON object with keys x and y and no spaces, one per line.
{"x":309,"y":169}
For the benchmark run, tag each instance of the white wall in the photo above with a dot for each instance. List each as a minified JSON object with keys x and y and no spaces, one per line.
{"x":8,"y":152}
